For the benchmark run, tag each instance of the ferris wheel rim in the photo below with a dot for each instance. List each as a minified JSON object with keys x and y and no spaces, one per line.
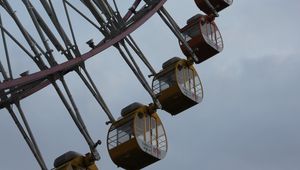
{"x":66,"y":66}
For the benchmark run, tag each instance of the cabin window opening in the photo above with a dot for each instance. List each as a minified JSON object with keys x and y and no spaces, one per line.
{"x":198,"y":86}
{"x":148,"y":132}
{"x":189,"y":82}
{"x":212,"y":35}
{"x":153,"y":132}
{"x":164,"y":82}
{"x":112,"y":139}
{"x":161,"y":137}
{"x":140,"y":127}
{"x":120,"y":134}
{"x":207,"y":31}
{"x":180,"y":78}
{"x":191,"y":32}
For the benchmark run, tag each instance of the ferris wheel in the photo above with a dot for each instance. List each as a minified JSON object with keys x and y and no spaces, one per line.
{"x":51,"y":43}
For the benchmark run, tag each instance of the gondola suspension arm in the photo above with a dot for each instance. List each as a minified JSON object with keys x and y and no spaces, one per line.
{"x":135,"y":69}
{"x":170,"y":22}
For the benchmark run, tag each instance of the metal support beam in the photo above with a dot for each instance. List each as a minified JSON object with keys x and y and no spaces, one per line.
{"x":137,"y":72}
{"x":6,"y":51}
{"x":166,"y":17}
{"x":27,"y":138}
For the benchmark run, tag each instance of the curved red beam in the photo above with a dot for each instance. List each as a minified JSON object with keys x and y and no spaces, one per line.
{"x":68,"y":65}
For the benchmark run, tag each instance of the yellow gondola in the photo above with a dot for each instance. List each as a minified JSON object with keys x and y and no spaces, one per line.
{"x":137,"y":139}
{"x":74,"y":161}
{"x":203,"y":36}
{"x":177,"y":86}
{"x":217,"y":4}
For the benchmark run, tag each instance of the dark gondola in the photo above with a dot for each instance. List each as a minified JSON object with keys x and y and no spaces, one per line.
{"x":74,"y":161}
{"x":203,"y":36}
{"x":219,"y":5}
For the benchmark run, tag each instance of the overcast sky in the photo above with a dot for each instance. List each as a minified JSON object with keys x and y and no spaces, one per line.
{"x":249,"y":118}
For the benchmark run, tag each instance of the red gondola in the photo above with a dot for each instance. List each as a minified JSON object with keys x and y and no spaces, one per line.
{"x":203,"y":36}
{"x":217,"y":4}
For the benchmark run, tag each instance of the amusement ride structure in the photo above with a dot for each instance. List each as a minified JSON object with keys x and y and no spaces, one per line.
{"x":138,"y":138}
